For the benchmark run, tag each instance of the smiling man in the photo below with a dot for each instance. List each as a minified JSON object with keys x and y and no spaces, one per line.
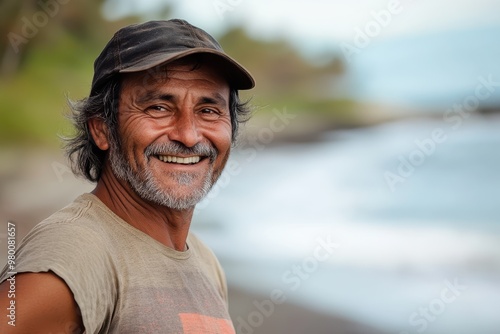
{"x":154,"y":134}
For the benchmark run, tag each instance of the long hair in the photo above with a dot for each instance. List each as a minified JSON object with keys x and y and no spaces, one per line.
{"x":85,"y":157}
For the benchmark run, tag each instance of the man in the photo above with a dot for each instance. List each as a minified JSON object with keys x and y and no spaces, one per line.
{"x":155,"y":134}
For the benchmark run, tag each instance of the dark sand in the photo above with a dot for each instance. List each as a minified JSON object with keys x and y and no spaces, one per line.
{"x":288,"y":318}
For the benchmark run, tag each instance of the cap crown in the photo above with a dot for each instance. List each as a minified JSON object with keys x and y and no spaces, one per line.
{"x":142,"y":46}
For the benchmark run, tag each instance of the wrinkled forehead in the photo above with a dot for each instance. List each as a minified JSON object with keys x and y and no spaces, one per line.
{"x":169,"y":78}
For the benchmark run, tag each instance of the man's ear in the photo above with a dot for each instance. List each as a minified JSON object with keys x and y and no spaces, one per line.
{"x":99,"y":132}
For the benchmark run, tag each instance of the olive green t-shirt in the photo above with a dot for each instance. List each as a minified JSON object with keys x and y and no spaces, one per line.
{"x":123,"y":280}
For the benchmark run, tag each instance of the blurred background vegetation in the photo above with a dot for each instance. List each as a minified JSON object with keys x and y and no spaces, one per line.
{"x":58,"y":60}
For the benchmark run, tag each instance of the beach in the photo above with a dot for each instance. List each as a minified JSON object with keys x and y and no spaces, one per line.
{"x":286,"y":318}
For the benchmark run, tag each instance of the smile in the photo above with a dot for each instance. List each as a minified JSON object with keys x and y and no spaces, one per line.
{"x":179,"y":160}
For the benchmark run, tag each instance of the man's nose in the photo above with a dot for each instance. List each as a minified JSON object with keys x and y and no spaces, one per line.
{"x":185,"y":129}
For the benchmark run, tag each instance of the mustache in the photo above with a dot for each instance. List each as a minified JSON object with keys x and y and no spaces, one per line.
{"x":176,"y":148}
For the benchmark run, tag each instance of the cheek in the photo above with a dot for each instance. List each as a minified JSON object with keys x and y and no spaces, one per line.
{"x":135,"y":136}
{"x":222,"y":139}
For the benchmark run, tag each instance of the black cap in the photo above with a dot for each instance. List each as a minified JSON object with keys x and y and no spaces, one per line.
{"x":139,"y":47}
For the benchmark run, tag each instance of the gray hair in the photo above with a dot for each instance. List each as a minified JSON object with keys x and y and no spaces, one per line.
{"x":85,"y":157}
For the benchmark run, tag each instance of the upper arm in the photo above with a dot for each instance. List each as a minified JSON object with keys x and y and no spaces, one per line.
{"x":43,"y":304}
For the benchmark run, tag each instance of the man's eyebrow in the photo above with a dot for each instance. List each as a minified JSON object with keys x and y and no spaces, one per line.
{"x":216,"y":98}
{"x":154,"y":96}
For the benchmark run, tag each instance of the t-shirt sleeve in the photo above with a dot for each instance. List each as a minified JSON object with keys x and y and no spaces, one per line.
{"x":78,"y":256}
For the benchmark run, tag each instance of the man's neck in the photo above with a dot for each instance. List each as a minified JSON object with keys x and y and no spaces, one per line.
{"x":167,"y":226}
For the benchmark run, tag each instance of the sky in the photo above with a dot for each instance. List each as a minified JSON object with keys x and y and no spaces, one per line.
{"x":324,"y":21}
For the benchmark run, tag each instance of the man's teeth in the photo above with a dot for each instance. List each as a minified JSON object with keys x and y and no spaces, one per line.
{"x":179,"y":160}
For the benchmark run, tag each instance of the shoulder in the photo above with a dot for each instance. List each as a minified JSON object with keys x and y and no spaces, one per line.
{"x":208,"y":260}
{"x":71,"y":249}
{"x":83,"y":222}
{"x":201,"y":250}
{"x":195,"y":243}
{"x":59,"y":313}
{"x":69,"y":240}
{"x":85,"y":212}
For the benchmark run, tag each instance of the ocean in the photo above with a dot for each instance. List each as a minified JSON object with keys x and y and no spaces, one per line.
{"x":387,"y":225}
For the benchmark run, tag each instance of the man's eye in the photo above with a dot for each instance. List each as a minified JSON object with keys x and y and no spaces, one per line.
{"x":208,"y":111}
{"x":157,"y":111}
{"x":210,"y":114}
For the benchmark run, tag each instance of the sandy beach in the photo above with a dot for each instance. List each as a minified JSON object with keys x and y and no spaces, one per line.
{"x":287,"y":318}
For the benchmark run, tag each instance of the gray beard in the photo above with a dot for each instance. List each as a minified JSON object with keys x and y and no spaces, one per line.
{"x":148,"y":188}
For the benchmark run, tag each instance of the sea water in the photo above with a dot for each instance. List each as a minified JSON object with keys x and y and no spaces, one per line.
{"x":418,"y":255}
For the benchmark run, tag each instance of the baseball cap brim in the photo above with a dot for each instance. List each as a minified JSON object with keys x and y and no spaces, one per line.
{"x":237,"y":76}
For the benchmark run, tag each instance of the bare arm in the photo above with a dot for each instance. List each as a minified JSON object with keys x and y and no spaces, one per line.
{"x":43,"y":304}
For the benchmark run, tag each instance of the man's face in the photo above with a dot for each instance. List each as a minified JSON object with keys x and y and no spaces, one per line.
{"x":174,"y":134}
